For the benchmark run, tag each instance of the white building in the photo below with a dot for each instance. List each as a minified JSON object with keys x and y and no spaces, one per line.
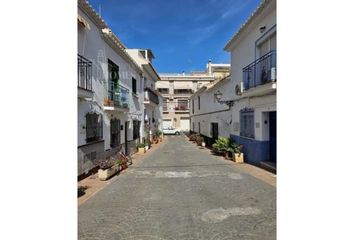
{"x":208,"y":117}
{"x":152,"y":98}
{"x":176,"y":89}
{"x":251,"y":92}
{"x":110,"y":92}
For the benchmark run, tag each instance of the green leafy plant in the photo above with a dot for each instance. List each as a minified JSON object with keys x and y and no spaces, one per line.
{"x":119,"y":162}
{"x":141,"y":145}
{"x":235,"y":148}
{"x":221,"y":145}
{"x":158,"y":133}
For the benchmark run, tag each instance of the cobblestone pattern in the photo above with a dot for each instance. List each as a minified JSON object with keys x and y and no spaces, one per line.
{"x":142,"y":205}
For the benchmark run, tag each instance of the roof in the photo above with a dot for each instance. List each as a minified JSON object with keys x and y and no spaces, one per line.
{"x":107,"y":33}
{"x":246,"y":23}
{"x":151,"y":70}
{"x":94,"y":16}
{"x":210,"y":86}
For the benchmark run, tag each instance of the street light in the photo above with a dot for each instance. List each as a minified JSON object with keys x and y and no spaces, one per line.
{"x":218,"y":96}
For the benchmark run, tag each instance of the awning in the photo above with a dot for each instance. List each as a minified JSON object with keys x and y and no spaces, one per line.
{"x":83,"y":22}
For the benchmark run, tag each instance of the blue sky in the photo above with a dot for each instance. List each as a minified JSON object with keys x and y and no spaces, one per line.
{"x":182,"y":34}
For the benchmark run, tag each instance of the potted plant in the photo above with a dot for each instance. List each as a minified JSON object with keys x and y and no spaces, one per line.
{"x":199,"y":140}
{"x":147,"y":145}
{"x":107,"y":168}
{"x":158,"y":134}
{"x":193,"y":137}
{"x":237,"y":154}
{"x":221,"y":146}
{"x":141,"y":148}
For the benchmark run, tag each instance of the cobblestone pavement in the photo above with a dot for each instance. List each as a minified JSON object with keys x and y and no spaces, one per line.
{"x":177,"y":193}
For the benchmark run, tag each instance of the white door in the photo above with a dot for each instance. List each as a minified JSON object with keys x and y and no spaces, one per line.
{"x":167,"y":123}
{"x":185,"y":124}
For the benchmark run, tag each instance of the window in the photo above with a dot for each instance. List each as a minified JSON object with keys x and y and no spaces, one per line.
{"x":115,"y":132}
{"x":93,"y":127}
{"x":193,"y":126}
{"x":113,"y":78}
{"x":136,"y":129}
{"x":163,"y":90}
{"x":164,"y":105}
{"x":198,"y":127}
{"x":198,"y":102}
{"x":247,"y":123}
{"x":182,"y":104}
{"x":134,"y":85}
{"x":193,"y":106}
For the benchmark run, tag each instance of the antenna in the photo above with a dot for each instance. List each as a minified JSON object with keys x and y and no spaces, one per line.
{"x":99,"y":9}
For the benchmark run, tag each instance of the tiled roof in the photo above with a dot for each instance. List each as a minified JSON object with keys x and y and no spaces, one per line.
{"x":90,"y":11}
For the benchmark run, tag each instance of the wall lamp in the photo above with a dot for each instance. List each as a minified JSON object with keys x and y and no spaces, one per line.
{"x":218,"y":96}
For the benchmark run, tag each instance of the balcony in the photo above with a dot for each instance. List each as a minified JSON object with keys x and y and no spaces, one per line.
{"x":84,"y":78}
{"x":150,"y":97}
{"x":182,"y":108}
{"x":259,"y":77}
{"x":179,"y":107}
{"x":118,"y":98}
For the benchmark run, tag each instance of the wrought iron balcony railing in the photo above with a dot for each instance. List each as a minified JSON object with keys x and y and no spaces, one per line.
{"x":150,"y":95}
{"x":117,"y":96}
{"x":175,"y":106}
{"x":261,"y":71}
{"x":84,"y":73}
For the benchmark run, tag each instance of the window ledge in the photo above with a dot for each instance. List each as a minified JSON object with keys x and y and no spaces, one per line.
{"x":249,"y":138}
{"x":135,"y":95}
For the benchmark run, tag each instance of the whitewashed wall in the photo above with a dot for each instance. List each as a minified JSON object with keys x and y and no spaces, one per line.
{"x":92,"y":46}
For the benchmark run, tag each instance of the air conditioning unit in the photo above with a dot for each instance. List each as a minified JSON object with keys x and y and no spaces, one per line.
{"x":273,"y":74}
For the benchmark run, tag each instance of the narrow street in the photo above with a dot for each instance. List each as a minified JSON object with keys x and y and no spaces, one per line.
{"x":181,"y":192}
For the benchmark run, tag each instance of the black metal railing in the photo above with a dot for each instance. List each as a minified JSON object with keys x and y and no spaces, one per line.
{"x":261,"y":71}
{"x":84,"y":73}
{"x":151,"y":96}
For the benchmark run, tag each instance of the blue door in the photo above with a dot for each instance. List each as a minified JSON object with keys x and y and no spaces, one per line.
{"x":273,"y":137}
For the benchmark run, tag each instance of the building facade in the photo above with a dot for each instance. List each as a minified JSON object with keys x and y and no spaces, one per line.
{"x":110,"y":92}
{"x":247,"y":109}
{"x":253,"y":70}
{"x":177,"y":88}
{"x":152,"y":98}
{"x":208,"y":117}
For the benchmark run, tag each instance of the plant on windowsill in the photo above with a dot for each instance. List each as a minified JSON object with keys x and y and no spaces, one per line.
{"x":107,"y":168}
{"x":141,"y":148}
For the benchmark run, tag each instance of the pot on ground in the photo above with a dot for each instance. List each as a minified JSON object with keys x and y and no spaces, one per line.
{"x":238,"y":157}
{"x":141,"y":150}
{"x":104,"y":174}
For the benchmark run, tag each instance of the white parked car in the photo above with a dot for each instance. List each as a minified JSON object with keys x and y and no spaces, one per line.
{"x":171,"y":130}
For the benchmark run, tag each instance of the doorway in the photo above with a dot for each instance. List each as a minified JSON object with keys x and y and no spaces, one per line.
{"x":214,"y":131}
{"x":126,"y":149}
{"x":273,"y":137}
{"x":115,"y":132}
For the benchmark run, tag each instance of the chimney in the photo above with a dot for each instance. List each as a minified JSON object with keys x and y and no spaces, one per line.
{"x":209,"y":67}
